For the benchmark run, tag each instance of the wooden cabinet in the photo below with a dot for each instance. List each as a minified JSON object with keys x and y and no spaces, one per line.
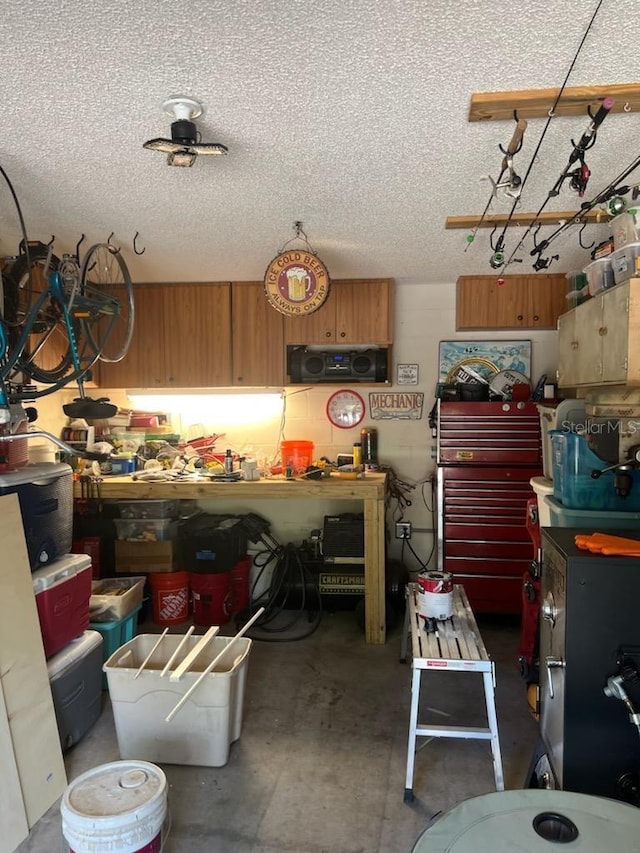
{"x":357,"y":311}
{"x":520,"y":302}
{"x":181,"y":338}
{"x":598,"y":342}
{"x":257,"y":337}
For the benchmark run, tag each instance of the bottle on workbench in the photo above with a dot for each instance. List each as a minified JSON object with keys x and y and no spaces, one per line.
{"x":228,"y":461}
{"x":369,"y":442}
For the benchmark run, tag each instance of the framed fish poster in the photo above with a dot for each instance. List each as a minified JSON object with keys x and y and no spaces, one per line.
{"x":466,"y":360}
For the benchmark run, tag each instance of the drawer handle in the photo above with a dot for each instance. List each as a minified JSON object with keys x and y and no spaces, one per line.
{"x":519,"y":317}
{"x":602,"y":331}
{"x":536,"y":318}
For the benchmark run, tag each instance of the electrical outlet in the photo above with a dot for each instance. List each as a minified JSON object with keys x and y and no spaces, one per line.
{"x":403,"y":530}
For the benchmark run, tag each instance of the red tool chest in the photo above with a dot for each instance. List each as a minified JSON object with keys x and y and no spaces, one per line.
{"x":487,"y":454}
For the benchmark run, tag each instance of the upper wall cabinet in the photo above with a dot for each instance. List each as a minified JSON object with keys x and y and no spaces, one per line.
{"x":181,"y":338}
{"x":520,"y":302}
{"x":598,"y":342}
{"x":257,"y":337}
{"x":357,"y":311}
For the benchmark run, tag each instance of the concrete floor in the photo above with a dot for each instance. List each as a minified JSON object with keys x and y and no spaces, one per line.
{"x":320,"y":764}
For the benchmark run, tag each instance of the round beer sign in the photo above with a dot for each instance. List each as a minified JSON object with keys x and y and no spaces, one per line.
{"x":296,"y":283}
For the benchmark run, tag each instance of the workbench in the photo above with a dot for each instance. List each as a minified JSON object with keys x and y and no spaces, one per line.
{"x":368,"y":491}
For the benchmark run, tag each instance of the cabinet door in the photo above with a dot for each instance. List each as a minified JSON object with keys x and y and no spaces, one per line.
{"x":567,"y":375}
{"x":316,"y":328}
{"x":364,"y":311}
{"x":483,"y":303}
{"x":197,"y":340}
{"x":257,"y":337}
{"x":614,"y":333}
{"x":547,"y":299}
{"x":587,"y":353}
{"x":144,"y":364}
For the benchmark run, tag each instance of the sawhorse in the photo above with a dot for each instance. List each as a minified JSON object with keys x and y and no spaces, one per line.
{"x":454,"y":646}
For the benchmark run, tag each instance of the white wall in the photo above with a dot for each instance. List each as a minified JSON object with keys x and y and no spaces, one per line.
{"x":425,"y":315}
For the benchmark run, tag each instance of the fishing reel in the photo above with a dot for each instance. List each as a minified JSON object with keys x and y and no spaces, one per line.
{"x":496,"y":260}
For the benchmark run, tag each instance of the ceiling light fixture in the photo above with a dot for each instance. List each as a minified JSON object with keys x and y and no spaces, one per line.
{"x":184,"y":146}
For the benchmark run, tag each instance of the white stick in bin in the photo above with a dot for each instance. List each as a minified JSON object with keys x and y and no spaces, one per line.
{"x":184,"y":665}
{"x":177,"y":651}
{"x":148,"y":657}
{"x":211,"y":665}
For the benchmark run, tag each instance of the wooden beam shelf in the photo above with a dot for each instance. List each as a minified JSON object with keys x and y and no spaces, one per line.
{"x":536,"y":103}
{"x":493,"y":220}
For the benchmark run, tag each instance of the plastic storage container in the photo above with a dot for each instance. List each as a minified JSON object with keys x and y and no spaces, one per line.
{"x":202,"y":731}
{"x":145,"y":529}
{"x":593,"y":519}
{"x":600,"y":275}
{"x":115,"y":634}
{"x":147,"y":509}
{"x":115,"y":598}
{"x":62,"y":590}
{"x":573,"y":484}
{"x":212,"y":543}
{"x":75,"y":677}
{"x":45,"y":493}
{"x":566,"y":415}
{"x":626,"y":228}
{"x":624,"y":262}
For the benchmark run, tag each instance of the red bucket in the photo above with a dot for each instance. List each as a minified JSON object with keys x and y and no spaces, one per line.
{"x":240,"y":597}
{"x":170,"y":597}
{"x":211,"y":598}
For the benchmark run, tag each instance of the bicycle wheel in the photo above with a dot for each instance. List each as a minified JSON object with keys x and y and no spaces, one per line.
{"x":38,"y":340}
{"x":106,"y":294}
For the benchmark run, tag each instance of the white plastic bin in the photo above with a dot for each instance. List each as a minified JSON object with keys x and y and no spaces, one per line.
{"x":624,"y":262}
{"x":202,"y":731}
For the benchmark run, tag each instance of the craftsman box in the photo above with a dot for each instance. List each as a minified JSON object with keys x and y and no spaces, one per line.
{"x":203,"y":730}
{"x":136,"y":558}
{"x":45,"y":493}
{"x":62,"y":591}
{"x":75,"y":677}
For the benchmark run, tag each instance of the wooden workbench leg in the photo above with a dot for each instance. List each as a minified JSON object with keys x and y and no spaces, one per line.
{"x":413,"y":725}
{"x":374,"y":571}
{"x":488,"y":678}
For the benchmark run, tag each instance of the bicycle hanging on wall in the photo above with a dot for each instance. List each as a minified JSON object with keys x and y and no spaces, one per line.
{"x":58,"y":318}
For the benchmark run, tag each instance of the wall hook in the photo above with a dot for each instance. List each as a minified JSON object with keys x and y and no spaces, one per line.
{"x":110,"y":244}
{"x":135,"y":248}
{"x":582,"y":245}
{"x":78,"y":244}
{"x":627,"y":107}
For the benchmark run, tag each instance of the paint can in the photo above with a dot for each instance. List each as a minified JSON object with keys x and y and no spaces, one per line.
{"x":435,"y":595}
{"x":117,"y":806}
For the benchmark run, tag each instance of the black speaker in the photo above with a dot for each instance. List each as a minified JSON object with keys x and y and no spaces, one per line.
{"x":305,"y":365}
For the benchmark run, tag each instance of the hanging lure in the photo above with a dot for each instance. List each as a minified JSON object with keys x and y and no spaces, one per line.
{"x":513,"y":182}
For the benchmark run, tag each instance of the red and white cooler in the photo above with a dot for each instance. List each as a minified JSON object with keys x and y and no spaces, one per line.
{"x":63,"y":590}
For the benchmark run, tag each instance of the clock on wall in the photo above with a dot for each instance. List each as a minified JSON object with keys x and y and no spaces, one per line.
{"x":345,"y":409}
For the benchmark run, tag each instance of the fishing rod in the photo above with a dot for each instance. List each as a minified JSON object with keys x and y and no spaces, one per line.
{"x":513,"y":183}
{"x":497,"y":259}
{"x":579,"y":176}
{"x":612,"y":190}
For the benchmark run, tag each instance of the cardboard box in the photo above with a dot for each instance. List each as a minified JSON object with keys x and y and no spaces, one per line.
{"x":141,"y":557}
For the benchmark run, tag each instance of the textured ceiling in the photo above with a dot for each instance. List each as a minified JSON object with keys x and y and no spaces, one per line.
{"x":348,"y":115}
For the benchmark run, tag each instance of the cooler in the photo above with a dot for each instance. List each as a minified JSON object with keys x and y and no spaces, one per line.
{"x":75,"y":676}
{"x":45,"y":493}
{"x":62,"y":591}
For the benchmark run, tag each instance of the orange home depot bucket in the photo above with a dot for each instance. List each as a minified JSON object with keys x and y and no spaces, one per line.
{"x":170,"y":597}
{"x":296,"y":456}
{"x":211,"y":598}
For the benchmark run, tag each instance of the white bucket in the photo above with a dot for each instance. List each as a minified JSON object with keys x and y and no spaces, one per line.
{"x":120,"y":806}
{"x":435,"y":595}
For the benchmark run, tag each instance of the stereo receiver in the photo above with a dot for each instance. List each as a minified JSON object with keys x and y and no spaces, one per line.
{"x":306,"y":365}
